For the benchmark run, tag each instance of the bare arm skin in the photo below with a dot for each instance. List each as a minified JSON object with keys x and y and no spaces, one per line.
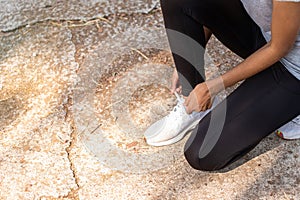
{"x":285,"y":28}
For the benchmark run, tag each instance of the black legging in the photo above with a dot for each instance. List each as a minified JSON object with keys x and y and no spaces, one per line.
{"x":259,"y":106}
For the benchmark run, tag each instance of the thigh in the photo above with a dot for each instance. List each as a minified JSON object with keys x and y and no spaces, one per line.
{"x":242,"y":36}
{"x":229,"y":22}
{"x":258,"y":107}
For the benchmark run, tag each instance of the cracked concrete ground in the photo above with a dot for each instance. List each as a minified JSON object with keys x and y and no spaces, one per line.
{"x":79,"y":82}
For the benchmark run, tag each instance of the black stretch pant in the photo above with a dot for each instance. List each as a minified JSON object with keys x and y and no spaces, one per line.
{"x":259,"y":106}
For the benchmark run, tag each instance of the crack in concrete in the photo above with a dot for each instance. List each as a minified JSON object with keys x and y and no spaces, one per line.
{"x":87,"y":19}
{"x":73,"y":194}
{"x":72,"y":23}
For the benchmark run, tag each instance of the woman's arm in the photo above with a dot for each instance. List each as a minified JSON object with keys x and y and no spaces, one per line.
{"x":285,"y":28}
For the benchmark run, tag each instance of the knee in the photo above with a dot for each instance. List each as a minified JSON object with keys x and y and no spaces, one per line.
{"x":202,"y":164}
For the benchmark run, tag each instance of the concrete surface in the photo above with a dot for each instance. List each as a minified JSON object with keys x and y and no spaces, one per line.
{"x":79,"y":83}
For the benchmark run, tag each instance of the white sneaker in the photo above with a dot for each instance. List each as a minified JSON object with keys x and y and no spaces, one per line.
{"x":174,"y":126}
{"x":291,"y":130}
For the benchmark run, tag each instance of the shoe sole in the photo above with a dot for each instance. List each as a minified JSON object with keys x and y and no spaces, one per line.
{"x":281,"y":135}
{"x":176,"y":138}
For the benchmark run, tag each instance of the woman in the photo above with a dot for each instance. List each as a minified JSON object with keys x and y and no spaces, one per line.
{"x":266,"y":34}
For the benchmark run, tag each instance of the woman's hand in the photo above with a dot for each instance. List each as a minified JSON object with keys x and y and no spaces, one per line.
{"x":199,"y":99}
{"x":175,"y":85}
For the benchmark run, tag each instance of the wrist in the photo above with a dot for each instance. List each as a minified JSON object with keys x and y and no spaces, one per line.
{"x":215,"y":85}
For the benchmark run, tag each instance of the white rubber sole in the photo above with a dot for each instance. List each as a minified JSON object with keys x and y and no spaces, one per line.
{"x":175,"y":139}
{"x":287,"y":136}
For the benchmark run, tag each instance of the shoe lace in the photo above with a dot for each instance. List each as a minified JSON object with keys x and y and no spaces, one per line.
{"x":178,"y":110}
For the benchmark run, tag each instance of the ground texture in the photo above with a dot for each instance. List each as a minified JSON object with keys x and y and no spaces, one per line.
{"x":79,"y":83}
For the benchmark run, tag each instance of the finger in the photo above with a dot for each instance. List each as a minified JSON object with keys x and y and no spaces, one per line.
{"x":187,"y":109}
{"x":186,"y":100}
{"x":209,"y":105}
{"x":173,"y":84}
{"x":173,"y":88}
{"x":205,"y":108}
{"x":179,"y":89}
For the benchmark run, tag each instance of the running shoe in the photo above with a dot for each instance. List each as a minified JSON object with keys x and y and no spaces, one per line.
{"x":173,"y":127}
{"x":291,"y":130}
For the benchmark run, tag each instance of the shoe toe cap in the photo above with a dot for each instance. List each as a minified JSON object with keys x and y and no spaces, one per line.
{"x":154,"y":129}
